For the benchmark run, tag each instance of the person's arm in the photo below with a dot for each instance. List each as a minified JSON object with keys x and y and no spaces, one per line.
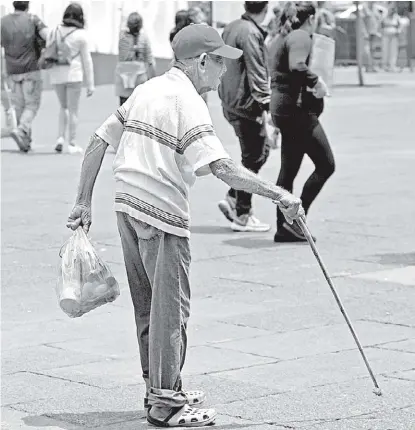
{"x":108,"y":134}
{"x":241,"y":179}
{"x":91,"y":165}
{"x":299,"y":48}
{"x":87,"y":63}
{"x":256,"y":69}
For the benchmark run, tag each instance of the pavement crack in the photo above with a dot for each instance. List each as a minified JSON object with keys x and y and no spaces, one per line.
{"x":59,"y":378}
{"x":262,"y":284}
{"x":214,"y":372}
{"x":385,"y":322}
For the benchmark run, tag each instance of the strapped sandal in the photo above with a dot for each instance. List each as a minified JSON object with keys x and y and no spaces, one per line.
{"x":185,"y":416}
{"x":195,"y":397}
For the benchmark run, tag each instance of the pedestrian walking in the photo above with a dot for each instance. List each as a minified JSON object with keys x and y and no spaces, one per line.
{"x":136,"y":64}
{"x":245,"y":93}
{"x":22,"y":38}
{"x":70,"y":37}
{"x":391,"y":29}
{"x":296,"y":110}
{"x":164,"y":139}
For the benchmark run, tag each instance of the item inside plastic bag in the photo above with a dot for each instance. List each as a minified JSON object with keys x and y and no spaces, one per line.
{"x":85,"y":282}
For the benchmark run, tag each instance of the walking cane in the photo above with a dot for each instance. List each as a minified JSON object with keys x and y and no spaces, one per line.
{"x":309,"y":237}
{"x":310,"y":240}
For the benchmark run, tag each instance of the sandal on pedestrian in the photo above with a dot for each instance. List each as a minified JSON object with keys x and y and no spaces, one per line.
{"x":185,"y":416}
{"x":195,"y":397}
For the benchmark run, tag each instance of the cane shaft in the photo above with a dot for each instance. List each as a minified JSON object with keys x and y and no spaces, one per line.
{"x":310,"y":240}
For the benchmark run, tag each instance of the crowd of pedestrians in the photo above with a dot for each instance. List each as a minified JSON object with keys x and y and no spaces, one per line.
{"x":29,"y":46}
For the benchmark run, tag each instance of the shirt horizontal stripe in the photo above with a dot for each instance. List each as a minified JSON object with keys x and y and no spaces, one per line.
{"x":151,"y":210}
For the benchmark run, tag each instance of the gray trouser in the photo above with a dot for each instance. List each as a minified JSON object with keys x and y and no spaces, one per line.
{"x":157,"y":265}
{"x":27,"y":92}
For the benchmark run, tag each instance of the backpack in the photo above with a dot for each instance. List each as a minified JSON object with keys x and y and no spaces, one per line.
{"x":57,"y":51}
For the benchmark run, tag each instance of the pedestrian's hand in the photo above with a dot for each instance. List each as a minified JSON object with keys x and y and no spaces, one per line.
{"x":89,"y":92}
{"x":80,"y":217}
{"x":320,"y":90}
{"x":291,"y":207}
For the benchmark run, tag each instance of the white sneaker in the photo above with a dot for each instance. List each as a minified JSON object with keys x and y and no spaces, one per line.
{"x":227,"y":207}
{"x":247,"y":222}
{"x":75,"y":149}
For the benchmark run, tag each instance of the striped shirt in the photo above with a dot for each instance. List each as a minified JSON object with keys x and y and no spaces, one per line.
{"x":164,"y":138}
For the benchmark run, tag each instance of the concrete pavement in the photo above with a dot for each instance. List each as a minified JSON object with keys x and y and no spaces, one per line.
{"x":267,"y":342}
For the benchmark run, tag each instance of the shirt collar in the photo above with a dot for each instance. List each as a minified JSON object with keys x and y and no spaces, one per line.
{"x":174,"y":71}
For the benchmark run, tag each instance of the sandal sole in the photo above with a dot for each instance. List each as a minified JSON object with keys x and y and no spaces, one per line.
{"x":158,"y":423}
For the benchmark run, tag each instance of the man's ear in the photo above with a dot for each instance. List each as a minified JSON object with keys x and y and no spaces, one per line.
{"x":203,"y":59}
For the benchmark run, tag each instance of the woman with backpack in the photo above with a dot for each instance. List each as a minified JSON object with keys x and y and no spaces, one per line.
{"x":135,"y":59}
{"x":74,"y":63}
{"x":297,"y":101}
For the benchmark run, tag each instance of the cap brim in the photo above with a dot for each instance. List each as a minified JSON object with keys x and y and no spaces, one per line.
{"x":227,"y":51}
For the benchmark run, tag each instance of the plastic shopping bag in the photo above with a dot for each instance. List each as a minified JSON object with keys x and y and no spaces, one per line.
{"x":85,"y":281}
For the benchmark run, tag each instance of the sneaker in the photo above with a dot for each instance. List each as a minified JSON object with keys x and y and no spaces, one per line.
{"x":290,"y":233}
{"x":228,"y":207}
{"x":21,"y":140}
{"x":59,"y":145}
{"x":247,"y":222}
{"x":75,"y":149}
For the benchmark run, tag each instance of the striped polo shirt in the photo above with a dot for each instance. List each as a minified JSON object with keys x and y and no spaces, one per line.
{"x":164,"y":139}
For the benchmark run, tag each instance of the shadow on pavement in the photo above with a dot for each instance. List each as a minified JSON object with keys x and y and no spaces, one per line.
{"x":209,"y":229}
{"x":137,"y":419}
{"x":68,"y":421}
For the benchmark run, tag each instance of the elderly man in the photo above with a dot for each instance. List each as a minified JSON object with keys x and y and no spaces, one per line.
{"x":164,"y":139}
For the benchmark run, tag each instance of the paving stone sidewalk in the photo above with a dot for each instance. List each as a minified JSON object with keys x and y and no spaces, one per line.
{"x":267,"y":342}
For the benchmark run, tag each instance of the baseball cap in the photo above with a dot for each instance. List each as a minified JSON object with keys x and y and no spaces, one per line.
{"x":197,"y":39}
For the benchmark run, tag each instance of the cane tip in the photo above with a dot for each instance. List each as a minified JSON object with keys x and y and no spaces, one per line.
{"x":377,"y":391}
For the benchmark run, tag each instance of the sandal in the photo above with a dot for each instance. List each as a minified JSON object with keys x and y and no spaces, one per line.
{"x":185,"y":416}
{"x":195,"y":397}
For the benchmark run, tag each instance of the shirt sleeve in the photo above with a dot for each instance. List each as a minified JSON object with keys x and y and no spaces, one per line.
{"x":256,"y":67}
{"x":299,"y":48}
{"x":197,"y":139}
{"x":112,"y":129}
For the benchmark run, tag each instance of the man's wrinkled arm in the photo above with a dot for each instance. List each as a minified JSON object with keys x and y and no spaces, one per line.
{"x":242,"y":179}
{"x":91,"y":165}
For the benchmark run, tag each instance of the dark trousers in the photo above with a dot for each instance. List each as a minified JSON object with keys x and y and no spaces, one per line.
{"x":254,"y":153}
{"x":303,"y":134}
